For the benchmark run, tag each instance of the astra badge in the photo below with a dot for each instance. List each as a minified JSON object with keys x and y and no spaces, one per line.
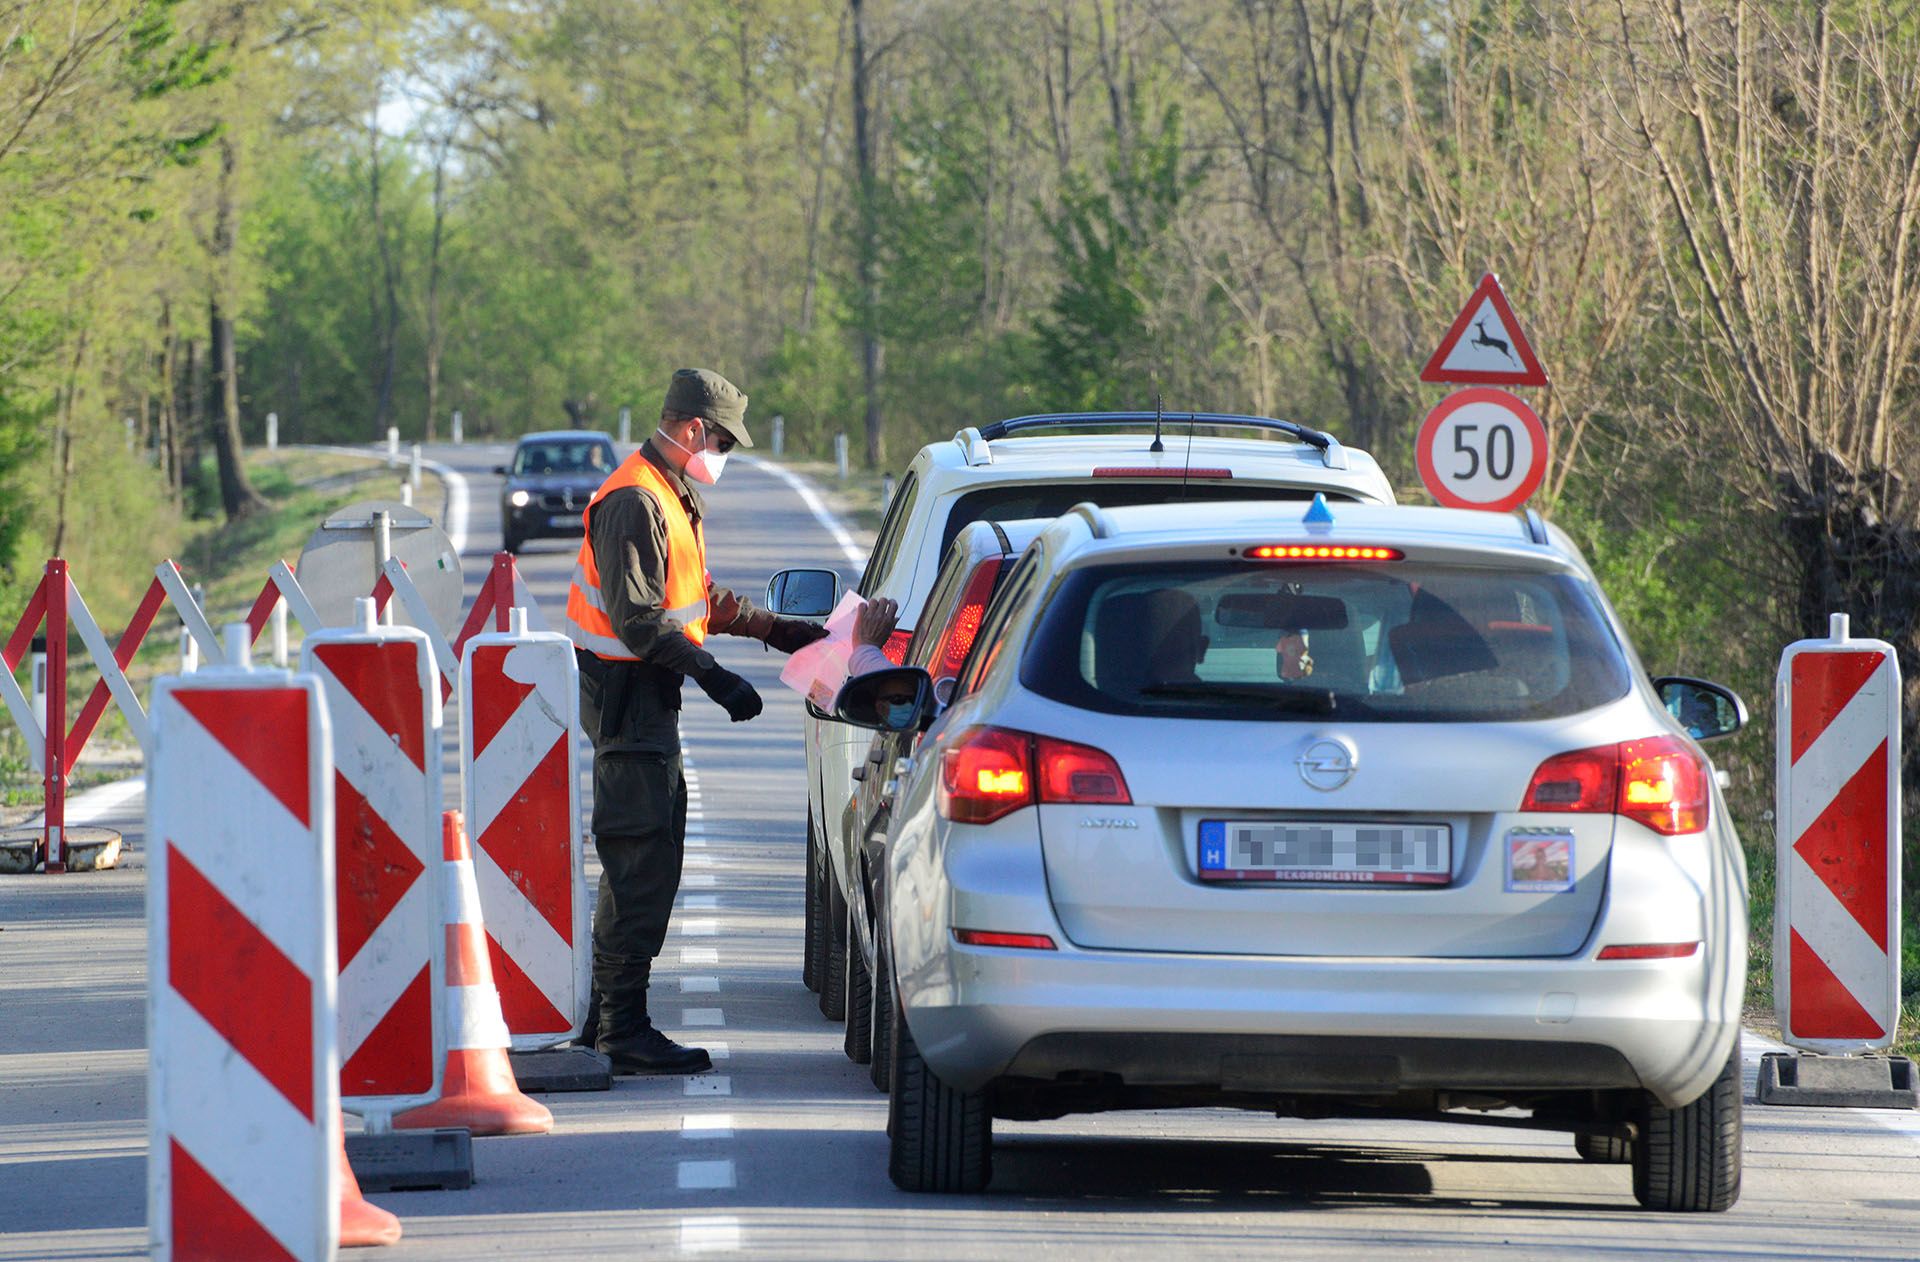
{"x":1328,"y":763}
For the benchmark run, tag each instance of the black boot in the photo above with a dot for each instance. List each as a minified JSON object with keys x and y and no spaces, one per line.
{"x":629,"y":1040}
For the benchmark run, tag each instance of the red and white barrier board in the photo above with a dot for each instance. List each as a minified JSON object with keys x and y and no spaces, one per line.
{"x":519,"y":701}
{"x":1837,"y":905}
{"x":383,"y":698}
{"x":243,"y":1074}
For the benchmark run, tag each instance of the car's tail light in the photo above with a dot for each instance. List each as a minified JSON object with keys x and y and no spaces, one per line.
{"x":1162,"y":471}
{"x":1663,"y":784}
{"x":1583,"y":780}
{"x":1658,"y":781}
{"x":985,"y":775}
{"x":896,"y":647}
{"x":1649,"y":951}
{"x":1322,"y":552}
{"x":990,"y":772}
{"x":1078,"y":773}
{"x":992,"y":938}
{"x":961,"y":629}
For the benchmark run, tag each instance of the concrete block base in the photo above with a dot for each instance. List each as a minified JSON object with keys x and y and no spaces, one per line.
{"x":1838,"y":1082}
{"x":561,"y":1069}
{"x":412,"y":1161}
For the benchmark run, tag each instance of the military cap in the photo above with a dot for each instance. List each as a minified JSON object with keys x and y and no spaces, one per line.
{"x":706,"y":394}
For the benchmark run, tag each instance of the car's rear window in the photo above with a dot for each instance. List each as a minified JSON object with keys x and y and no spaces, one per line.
{"x":1050,"y":499}
{"x":1389,"y":642}
{"x":564,"y":456}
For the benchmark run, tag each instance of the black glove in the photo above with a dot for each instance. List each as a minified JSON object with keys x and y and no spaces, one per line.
{"x":734,"y":694}
{"x":789,"y":634}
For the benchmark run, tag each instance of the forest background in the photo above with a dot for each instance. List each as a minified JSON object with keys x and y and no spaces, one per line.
{"x":891,"y":218}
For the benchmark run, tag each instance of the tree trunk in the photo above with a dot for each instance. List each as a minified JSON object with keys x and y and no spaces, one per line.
{"x":237,"y":496}
{"x":434,"y":347}
{"x":388,"y":307}
{"x":868,"y":245}
{"x":63,"y":446}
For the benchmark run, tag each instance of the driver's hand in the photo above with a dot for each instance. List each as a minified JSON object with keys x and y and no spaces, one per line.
{"x":876,"y":621}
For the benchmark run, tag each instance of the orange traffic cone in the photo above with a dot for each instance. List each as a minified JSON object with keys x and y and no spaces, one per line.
{"x":361,"y":1222}
{"x":478,"y":1090}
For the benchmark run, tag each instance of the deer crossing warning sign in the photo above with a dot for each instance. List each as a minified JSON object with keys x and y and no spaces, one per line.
{"x":1485,"y":345}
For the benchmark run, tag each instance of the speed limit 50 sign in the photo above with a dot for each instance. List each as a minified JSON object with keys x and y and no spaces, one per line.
{"x":1482,"y":448}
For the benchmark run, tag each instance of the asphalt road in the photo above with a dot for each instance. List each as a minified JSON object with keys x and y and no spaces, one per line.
{"x":781,"y":1151}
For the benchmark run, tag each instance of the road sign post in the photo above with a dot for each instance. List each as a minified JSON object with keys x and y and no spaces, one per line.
{"x":1482,"y":448}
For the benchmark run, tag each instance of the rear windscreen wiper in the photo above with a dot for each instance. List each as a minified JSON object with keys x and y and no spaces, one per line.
{"x":1293,"y":700}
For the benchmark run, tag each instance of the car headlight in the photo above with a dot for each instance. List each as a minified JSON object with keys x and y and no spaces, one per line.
{"x":519,"y":499}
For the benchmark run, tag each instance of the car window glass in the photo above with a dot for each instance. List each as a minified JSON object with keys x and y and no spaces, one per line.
{"x":564,"y":456}
{"x":1001,"y":615}
{"x":886,"y":547}
{"x":1401,"y":642}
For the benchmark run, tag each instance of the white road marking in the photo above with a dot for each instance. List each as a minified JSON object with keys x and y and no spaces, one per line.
{"x":698,"y":881}
{"x":709,"y":1235}
{"x":699,"y":985}
{"x":719,"y":1051}
{"x":702,"y":1017}
{"x":705,"y":1176}
{"x":710,"y":1084}
{"x":706,"y":1125}
{"x":701,"y":902}
{"x":699,"y":955}
{"x":822,"y":514}
{"x":699,"y":928}
{"x":698,"y":861}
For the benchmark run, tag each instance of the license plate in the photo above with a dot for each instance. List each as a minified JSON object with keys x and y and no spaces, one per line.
{"x":564,"y":519}
{"x":1333,"y":853}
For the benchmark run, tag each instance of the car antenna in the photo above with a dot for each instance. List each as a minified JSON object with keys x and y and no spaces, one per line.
{"x":1157,"y":445}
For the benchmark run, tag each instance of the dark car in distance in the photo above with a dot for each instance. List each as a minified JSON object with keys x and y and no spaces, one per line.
{"x":545,"y":488}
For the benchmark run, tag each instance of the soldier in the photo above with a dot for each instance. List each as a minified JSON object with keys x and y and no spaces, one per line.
{"x":639,"y":611}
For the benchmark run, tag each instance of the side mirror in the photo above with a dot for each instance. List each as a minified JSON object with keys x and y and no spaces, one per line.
{"x":886,"y":700}
{"x":803,"y":593}
{"x":1707,"y":710}
{"x":500,"y":469}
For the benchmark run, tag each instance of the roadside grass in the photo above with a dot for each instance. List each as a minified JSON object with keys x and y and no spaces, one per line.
{"x":231,"y":563}
{"x":859,"y":498}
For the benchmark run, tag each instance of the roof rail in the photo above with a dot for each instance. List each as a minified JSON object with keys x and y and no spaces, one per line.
{"x":1536,"y":526}
{"x":1096,"y":519}
{"x":973,"y":447}
{"x":1332,"y":454}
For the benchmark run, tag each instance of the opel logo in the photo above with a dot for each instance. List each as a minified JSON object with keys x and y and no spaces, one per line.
{"x":567,"y":497}
{"x":1327,"y":764}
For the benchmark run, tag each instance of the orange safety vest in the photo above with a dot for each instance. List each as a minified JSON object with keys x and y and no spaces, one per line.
{"x":687,"y":580}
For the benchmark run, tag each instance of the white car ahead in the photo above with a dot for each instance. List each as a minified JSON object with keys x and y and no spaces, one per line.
{"x":1028,"y":466}
{"x":1359,"y":811}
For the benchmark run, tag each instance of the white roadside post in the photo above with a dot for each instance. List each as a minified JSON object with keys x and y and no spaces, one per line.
{"x":458,"y":435}
{"x":1837,"y":876}
{"x":413,"y":466}
{"x":273,"y":431}
{"x":626,"y":426}
{"x":393,"y":445}
{"x":243,"y":1112}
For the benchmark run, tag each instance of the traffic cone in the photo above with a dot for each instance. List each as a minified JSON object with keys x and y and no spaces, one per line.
{"x":478,"y":1090}
{"x":361,"y":1222}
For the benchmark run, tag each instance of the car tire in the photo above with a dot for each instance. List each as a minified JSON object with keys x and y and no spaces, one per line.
{"x":1688,"y":1159}
{"x":859,"y":998}
{"x":811,"y":951}
{"x":938,"y":1139}
{"x":880,"y":1064}
{"x":833,"y":962}
{"x":510,"y":542}
{"x":1606,"y":1150}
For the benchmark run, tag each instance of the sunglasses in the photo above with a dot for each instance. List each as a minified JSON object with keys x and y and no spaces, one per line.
{"x":718,"y":439}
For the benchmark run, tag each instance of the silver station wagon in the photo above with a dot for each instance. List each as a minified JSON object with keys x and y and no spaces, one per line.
{"x":1357,"y":811}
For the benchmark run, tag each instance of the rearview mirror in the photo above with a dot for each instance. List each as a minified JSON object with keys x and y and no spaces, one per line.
{"x":1281,"y":611}
{"x":500,"y":469}
{"x":886,"y":700}
{"x":803,"y":593}
{"x":1707,"y":710}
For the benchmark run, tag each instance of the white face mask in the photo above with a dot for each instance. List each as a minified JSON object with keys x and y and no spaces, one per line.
{"x":704,"y":465}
